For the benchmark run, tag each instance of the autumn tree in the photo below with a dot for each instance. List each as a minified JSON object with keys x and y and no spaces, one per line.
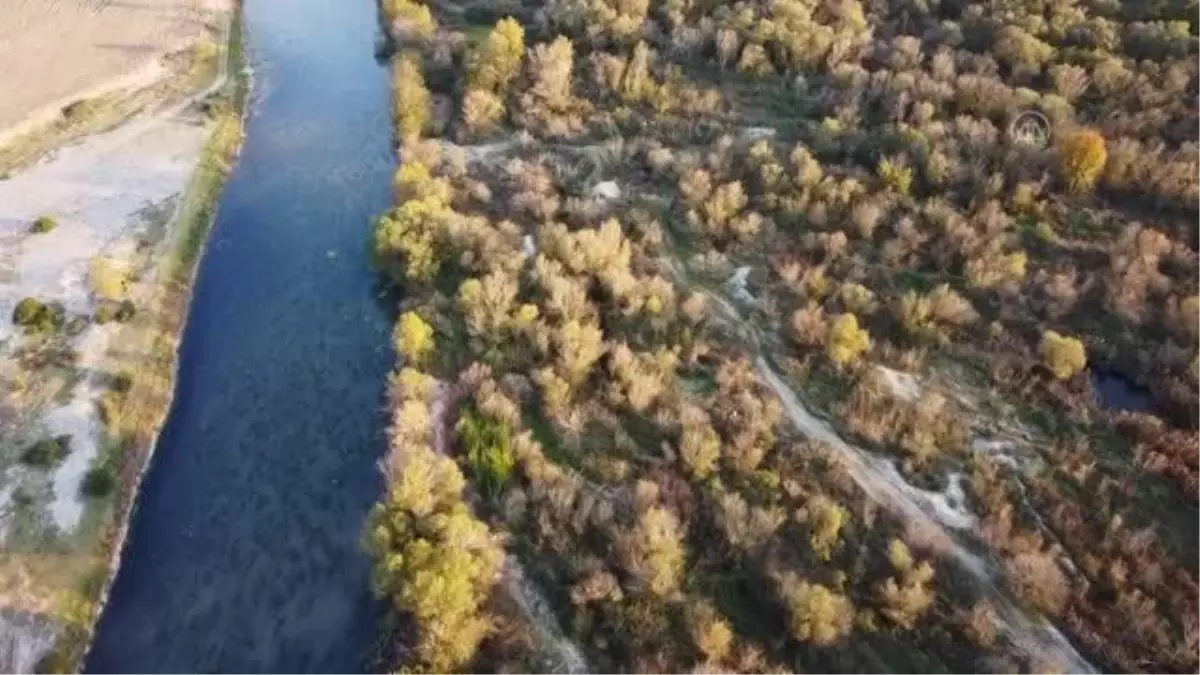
{"x":907,"y":596}
{"x":1082,"y":156}
{"x":551,"y":66}
{"x":412,"y":102}
{"x":846,"y":342}
{"x":481,"y":111}
{"x":1063,"y":355}
{"x":433,"y":560}
{"x":825,"y":518}
{"x":699,"y":445}
{"x":711,"y":634}
{"x":1020,"y":50}
{"x":414,"y":338}
{"x":409,"y":19}
{"x":746,"y":415}
{"x":817,"y":614}
{"x":497,"y":60}
{"x":654,"y":552}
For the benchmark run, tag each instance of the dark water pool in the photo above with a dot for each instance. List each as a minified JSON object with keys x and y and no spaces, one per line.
{"x":1116,"y":392}
{"x":244,"y":554}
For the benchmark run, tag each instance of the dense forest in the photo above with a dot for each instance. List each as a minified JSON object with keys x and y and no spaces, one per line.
{"x":779,"y":335}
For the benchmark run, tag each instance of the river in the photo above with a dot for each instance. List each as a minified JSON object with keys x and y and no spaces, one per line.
{"x":244,"y":551}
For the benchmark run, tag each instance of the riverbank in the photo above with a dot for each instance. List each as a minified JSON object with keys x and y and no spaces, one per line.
{"x":132,"y":199}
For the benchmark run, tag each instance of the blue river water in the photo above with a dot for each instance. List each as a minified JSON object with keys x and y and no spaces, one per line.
{"x":244,"y":551}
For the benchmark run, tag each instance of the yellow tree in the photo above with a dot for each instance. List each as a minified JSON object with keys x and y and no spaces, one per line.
{"x":818,"y":615}
{"x":1082,"y":156}
{"x":551,"y":66}
{"x":497,"y":60}
{"x":412,"y":102}
{"x":434,"y":561}
{"x":414,"y":337}
{"x":1063,"y":355}
{"x":847,"y":342}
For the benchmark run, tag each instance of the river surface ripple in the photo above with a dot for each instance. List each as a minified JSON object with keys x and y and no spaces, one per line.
{"x":244,"y":552}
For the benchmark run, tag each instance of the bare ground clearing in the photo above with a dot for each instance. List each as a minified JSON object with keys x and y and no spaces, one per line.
{"x":57,"y":52}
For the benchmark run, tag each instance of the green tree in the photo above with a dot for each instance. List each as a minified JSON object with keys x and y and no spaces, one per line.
{"x":405,"y":242}
{"x":43,"y":224}
{"x":488,"y":443}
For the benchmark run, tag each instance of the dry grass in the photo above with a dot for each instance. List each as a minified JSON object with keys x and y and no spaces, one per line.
{"x":93,"y":44}
{"x":133,"y":56}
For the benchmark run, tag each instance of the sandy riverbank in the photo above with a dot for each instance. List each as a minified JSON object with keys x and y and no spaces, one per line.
{"x":129,"y":203}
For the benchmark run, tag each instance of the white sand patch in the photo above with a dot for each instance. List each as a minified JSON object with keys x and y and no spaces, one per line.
{"x":904,"y":386}
{"x":948,"y":507}
{"x":24,"y":638}
{"x":8,"y":486}
{"x":80,"y":420}
{"x":737,"y":284}
{"x":757,"y":133}
{"x":95,"y":191}
{"x":606,"y":191}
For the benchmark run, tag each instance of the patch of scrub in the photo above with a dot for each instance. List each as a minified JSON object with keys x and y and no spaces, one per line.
{"x":94,"y":190}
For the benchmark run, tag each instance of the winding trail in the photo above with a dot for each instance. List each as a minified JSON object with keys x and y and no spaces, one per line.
{"x":878,"y":478}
